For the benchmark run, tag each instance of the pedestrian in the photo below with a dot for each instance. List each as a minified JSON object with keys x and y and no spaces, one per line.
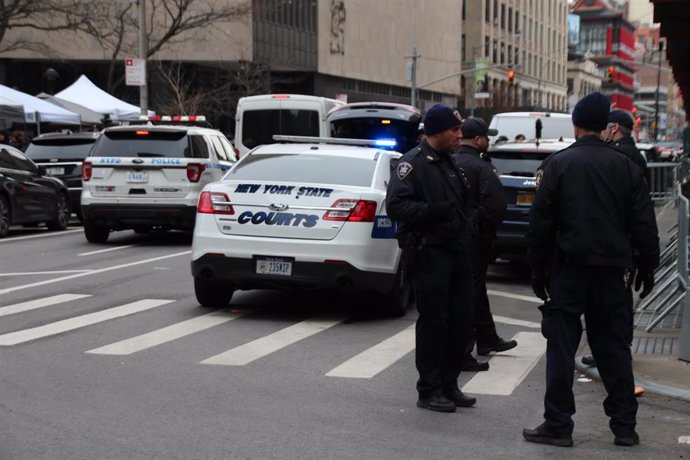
{"x":519,"y":138}
{"x":19,"y":140}
{"x":4,"y":137}
{"x":490,"y":206}
{"x":429,"y":198}
{"x":590,"y":211}
{"x":618,"y":133}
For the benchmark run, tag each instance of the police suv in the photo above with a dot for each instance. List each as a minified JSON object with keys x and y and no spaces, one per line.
{"x":308,"y":214}
{"x":149,"y":176}
{"x":517,"y":164}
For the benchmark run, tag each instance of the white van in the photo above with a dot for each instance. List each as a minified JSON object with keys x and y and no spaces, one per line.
{"x":258,"y":118}
{"x":511,"y":124}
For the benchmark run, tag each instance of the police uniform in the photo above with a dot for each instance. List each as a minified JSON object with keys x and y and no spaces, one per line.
{"x":626,"y":144}
{"x":489,"y":196}
{"x":429,"y":199}
{"x":590,"y":210}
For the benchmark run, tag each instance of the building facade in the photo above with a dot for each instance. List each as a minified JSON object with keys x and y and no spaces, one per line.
{"x":583,"y":79}
{"x":527,"y":37}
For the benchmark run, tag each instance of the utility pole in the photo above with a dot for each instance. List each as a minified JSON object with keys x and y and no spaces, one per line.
{"x":143,"y":51}
{"x":413,"y":77}
{"x":658,"y":84}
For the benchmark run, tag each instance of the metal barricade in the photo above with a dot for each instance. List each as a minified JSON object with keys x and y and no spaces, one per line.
{"x":663,"y":177}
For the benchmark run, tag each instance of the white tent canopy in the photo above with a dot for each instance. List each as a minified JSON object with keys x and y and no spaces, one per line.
{"x":85,"y":93}
{"x":88,"y":116}
{"x":37,"y":110}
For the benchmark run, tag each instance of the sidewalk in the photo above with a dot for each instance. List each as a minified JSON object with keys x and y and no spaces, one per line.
{"x":655,"y":354}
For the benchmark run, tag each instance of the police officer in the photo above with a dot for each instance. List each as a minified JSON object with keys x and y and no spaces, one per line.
{"x":590,"y":210}
{"x":429,"y":198}
{"x":618,"y":132}
{"x":490,"y":202}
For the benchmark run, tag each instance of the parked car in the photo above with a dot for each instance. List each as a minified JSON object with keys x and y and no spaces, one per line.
{"x":29,"y":197}
{"x":517,"y":163}
{"x":304,"y":215}
{"x":143,"y":177}
{"x":61,"y":155}
{"x":512,"y":124}
{"x":393,"y":125}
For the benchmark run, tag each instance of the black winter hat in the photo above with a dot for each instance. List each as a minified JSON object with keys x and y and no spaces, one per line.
{"x":592,"y":112}
{"x":473,"y":127}
{"x":440,"y":118}
{"x":621,"y":117}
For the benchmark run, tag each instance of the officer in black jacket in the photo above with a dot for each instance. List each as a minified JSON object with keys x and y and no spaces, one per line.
{"x":490,"y":202}
{"x":430,"y":200}
{"x":590,"y":210}
{"x":618,"y":132}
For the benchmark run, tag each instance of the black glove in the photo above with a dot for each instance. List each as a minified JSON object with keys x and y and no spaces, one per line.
{"x":436,"y":210}
{"x":644,"y":278}
{"x":540,"y":284}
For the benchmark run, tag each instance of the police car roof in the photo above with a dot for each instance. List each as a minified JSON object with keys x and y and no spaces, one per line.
{"x":163,"y":128}
{"x":545,"y":145}
{"x":320,"y":149}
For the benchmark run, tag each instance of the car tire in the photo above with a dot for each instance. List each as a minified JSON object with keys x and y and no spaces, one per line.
{"x":5,"y":217}
{"x":210,"y":294}
{"x":401,"y":296}
{"x":95,"y":233}
{"x":62,"y":213}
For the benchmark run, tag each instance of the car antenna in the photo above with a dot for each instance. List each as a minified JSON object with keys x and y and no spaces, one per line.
{"x":537,"y":128}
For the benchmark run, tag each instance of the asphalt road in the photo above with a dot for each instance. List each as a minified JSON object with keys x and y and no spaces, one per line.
{"x":105,"y":354}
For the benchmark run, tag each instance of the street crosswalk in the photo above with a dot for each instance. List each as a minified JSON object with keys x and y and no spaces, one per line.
{"x":507,"y":370}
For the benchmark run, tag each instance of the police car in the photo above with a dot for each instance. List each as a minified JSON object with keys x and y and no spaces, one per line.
{"x":517,"y":163}
{"x":300,"y":215}
{"x":149,"y":176}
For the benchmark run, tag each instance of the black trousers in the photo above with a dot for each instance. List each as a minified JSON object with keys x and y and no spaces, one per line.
{"x":600,"y":293}
{"x":442,"y":280}
{"x":484,"y":331}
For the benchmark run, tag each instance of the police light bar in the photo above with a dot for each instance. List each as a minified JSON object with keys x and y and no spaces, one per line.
{"x":174,"y":118}
{"x":331,"y":140}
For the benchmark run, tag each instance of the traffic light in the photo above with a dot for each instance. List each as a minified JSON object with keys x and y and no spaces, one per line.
{"x":611,"y":74}
{"x":511,"y":77}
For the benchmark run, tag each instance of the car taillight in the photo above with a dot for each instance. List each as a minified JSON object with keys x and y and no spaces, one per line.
{"x":352,"y":211}
{"x":194,"y":171}
{"x":214,"y":203}
{"x":86,"y":171}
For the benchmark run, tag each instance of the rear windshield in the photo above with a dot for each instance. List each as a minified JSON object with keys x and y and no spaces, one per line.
{"x":144,"y":144}
{"x":552,"y":127}
{"x":259,"y":126}
{"x":404,"y":133}
{"x":65,"y":149}
{"x":517,"y":163}
{"x":318,"y":169}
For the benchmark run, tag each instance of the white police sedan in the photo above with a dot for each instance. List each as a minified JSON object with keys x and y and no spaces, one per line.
{"x":309,"y":214}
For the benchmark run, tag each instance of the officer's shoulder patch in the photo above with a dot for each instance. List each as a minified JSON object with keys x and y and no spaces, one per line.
{"x":539,"y":177}
{"x":404,"y":168}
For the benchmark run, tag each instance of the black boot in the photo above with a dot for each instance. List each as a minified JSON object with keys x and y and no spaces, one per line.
{"x":461,"y":399}
{"x":542,"y":435}
{"x":436,"y":402}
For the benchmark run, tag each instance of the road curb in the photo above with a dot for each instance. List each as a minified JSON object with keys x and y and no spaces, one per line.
{"x":652,"y":387}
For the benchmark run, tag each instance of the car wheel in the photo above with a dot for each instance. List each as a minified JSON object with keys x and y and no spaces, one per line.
{"x":5,"y":217}
{"x":212,"y":294}
{"x":95,"y":233}
{"x":400,"y":297}
{"x":62,"y":213}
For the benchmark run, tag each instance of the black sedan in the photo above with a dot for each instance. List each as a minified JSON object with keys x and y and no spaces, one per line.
{"x":27,"y":197}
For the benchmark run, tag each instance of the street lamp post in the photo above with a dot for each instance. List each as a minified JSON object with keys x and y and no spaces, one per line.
{"x":143,"y":51}
{"x":658,"y":84}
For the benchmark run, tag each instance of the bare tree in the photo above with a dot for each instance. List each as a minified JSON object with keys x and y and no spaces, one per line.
{"x":41,"y":15}
{"x":167,"y":21}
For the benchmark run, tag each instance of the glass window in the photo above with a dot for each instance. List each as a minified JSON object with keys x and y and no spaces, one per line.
{"x":309,"y":169}
{"x":259,"y":126}
{"x":5,"y":161}
{"x":218,"y":147}
{"x":20,"y":161}
{"x":229,"y":149}
{"x":517,"y":163}
{"x":62,"y":149}
{"x":199,"y":146}
{"x":143,"y":143}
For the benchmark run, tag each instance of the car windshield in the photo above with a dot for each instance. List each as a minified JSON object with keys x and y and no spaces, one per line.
{"x":143,"y":143}
{"x":516,"y":162}
{"x":68,"y":149}
{"x":403,"y":132}
{"x":317,"y":169}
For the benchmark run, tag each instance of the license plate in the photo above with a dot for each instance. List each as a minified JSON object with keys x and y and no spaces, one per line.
{"x":525,"y":199}
{"x":274,"y":266}
{"x":141,"y":177}
{"x":55,"y":171}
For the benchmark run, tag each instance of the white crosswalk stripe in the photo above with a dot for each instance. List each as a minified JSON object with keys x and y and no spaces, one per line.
{"x":264,"y":346}
{"x":377,"y":358}
{"x":27,"y":335}
{"x":166,"y":334}
{"x":509,"y":369}
{"x":40,"y":303}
